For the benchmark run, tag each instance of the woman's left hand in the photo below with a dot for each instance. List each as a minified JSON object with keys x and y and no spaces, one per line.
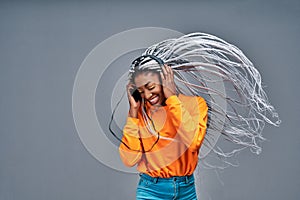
{"x":167,"y":77}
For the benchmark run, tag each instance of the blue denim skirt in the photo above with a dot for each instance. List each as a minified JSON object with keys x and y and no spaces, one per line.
{"x":177,"y":187}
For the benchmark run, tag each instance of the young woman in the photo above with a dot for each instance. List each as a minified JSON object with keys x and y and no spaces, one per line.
{"x":165,"y":146}
{"x":167,"y":123}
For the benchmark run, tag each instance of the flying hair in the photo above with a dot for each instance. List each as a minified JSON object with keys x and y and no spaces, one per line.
{"x":205,"y":65}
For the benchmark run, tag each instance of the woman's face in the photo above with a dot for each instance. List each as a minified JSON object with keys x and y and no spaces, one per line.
{"x":150,"y":88}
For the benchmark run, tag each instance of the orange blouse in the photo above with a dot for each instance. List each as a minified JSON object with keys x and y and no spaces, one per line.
{"x":181,"y":125}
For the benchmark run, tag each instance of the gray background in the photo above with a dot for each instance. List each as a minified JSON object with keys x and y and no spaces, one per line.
{"x":42,"y":45}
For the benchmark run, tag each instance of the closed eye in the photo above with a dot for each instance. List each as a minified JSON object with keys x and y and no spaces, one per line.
{"x":151,"y":87}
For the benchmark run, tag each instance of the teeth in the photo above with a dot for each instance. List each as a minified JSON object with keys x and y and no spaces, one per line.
{"x":154,"y":100}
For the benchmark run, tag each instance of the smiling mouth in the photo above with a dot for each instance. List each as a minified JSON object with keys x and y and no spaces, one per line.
{"x":154,"y":100}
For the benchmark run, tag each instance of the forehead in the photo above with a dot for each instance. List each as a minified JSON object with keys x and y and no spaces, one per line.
{"x":144,"y":78}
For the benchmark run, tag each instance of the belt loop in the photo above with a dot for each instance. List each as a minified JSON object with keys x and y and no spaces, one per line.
{"x":155,"y":179}
{"x":186,"y":179}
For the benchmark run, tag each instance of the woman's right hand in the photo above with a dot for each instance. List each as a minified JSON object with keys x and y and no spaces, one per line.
{"x":133,"y":105}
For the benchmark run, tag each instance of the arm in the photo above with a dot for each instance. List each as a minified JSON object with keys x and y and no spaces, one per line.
{"x":131,"y":138}
{"x":190,"y":125}
{"x":130,"y":148}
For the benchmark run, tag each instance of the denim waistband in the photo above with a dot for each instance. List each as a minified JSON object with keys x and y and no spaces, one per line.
{"x":185,"y":179}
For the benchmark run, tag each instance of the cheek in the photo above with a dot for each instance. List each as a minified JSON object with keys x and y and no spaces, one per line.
{"x":159,"y":90}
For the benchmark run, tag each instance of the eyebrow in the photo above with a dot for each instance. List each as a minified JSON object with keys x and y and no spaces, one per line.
{"x":146,"y":84}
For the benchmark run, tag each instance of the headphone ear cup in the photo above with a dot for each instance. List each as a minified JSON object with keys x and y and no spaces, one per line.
{"x":136,"y":95}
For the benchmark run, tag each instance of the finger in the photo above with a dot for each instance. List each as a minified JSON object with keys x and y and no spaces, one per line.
{"x":132,"y":85}
{"x":129,"y":84}
{"x":162,"y":76}
{"x":168,"y":73}
{"x":164,"y":70}
{"x":167,"y":68}
{"x":129,"y":87}
{"x":171,"y":71}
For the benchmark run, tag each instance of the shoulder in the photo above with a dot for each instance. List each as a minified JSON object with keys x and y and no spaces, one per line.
{"x":192,"y":101}
{"x":186,"y":98}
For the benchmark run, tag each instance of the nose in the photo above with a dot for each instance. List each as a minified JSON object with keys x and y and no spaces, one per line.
{"x":148,"y":94}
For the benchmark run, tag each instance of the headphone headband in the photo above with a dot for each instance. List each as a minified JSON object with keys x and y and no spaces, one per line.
{"x":137,"y":62}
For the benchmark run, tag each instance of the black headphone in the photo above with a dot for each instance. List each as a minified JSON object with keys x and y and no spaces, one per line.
{"x":139,"y":61}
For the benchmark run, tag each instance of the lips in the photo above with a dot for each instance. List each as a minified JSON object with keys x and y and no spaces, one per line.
{"x":154,"y":100}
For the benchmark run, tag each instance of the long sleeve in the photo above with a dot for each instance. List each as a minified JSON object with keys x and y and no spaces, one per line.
{"x":131,"y":138}
{"x":190,"y":126}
